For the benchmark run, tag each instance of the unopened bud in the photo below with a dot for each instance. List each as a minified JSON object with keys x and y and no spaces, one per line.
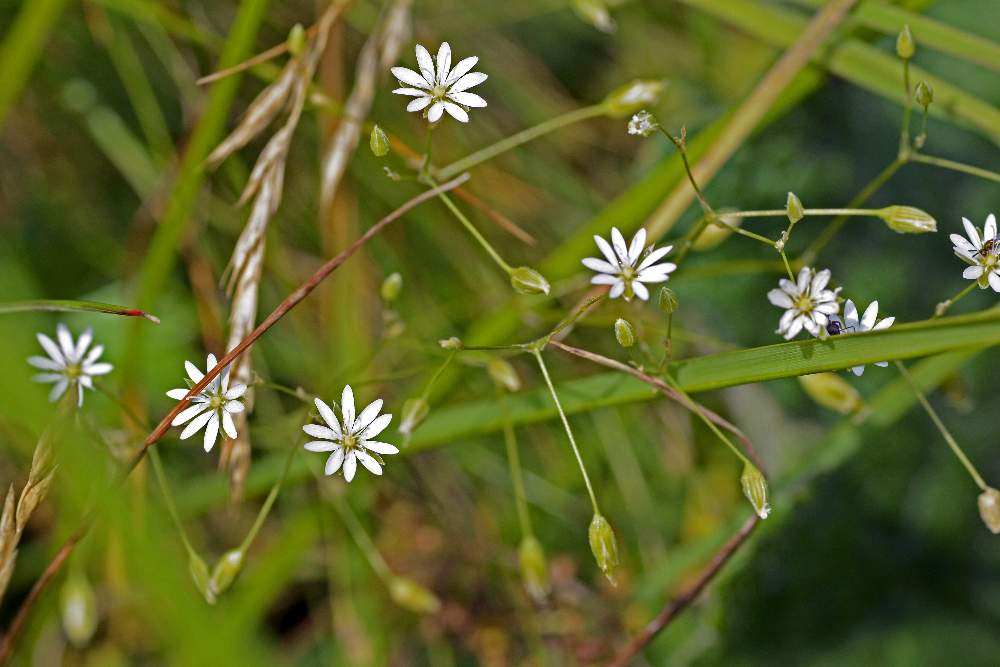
{"x":526,"y":280}
{"x":78,"y":605}
{"x":755,"y":489}
{"x":989,"y":509}
{"x":923,"y":94}
{"x":199,"y":575}
{"x":226,"y":571}
{"x":715,"y":233}
{"x":296,"y":40}
{"x":379,"y":142}
{"x":410,"y":595}
{"x":534,"y":569}
{"x":643,"y":124}
{"x":793,"y":208}
{"x":908,"y":220}
{"x":452,"y":343}
{"x":414,"y":412}
{"x":604,"y":546}
{"x":503,"y":374}
{"x":632,"y":97}
{"x":595,"y":12}
{"x":391,"y":287}
{"x":623,"y":333}
{"x":832,"y":391}
{"x":668,"y":300}
{"x":905,"y":46}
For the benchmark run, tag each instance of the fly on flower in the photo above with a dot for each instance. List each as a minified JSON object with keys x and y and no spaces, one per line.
{"x":439,"y":87}
{"x":350,"y":442}
{"x":980,"y":253}
{"x":867,"y":322}
{"x":214,"y":406}
{"x":69,"y":364}
{"x":626,"y":268}
{"x":808,"y":304}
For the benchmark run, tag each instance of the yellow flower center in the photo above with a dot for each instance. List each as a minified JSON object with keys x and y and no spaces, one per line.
{"x":350,"y":442}
{"x":74,"y":371}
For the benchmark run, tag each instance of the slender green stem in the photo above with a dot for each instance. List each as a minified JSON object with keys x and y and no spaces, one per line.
{"x":428,"y":145}
{"x":472,"y":229}
{"x":569,"y":431}
{"x":575,"y":316}
{"x":744,"y":232}
{"x":695,"y":407}
{"x":904,"y":134}
{"x":161,"y":480}
{"x":788,"y":267}
{"x":956,"y":166}
{"x":682,"y":151}
{"x":691,"y":237}
{"x":780,"y":212}
{"x":437,"y":374}
{"x":514,"y":461}
{"x":976,"y":477}
{"x":515,"y":140}
{"x":269,"y":502}
{"x":360,"y":537}
{"x":943,"y":307}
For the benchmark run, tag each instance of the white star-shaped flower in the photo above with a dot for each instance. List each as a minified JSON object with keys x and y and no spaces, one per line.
{"x":350,"y":442}
{"x":69,"y":363}
{"x":982,"y":254}
{"x":214,"y":406}
{"x":868,"y":322}
{"x":626,"y":268}
{"x":439,"y":87}
{"x":808,"y":304}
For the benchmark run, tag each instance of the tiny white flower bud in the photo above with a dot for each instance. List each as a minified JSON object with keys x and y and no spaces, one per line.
{"x":923,"y":94}
{"x":78,"y":605}
{"x":379,"y":142}
{"x":905,"y":46}
{"x":296,"y":40}
{"x":632,"y":97}
{"x":391,"y":287}
{"x":410,"y":595}
{"x":226,"y":571}
{"x":604,"y":546}
{"x":452,"y":343}
{"x":595,"y":12}
{"x":908,"y":220}
{"x":755,"y":489}
{"x":503,"y":374}
{"x":989,"y":509}
{"x":199,"y":575}
{"x":526,"y":280}
{"x":793,"y":208}
{"x":415,"y":410}
{"x":624,"y":333}
{"x":534,"y":569}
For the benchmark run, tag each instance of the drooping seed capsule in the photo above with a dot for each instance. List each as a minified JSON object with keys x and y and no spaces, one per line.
{"x":905,"y":46}
{"x":624,"y":333}
{"x":410,"y":595}
{"x":534,"y":569}
{"x":199,"y":575}
{"x":908,"y":220}
{"x":989,"y":509}
{"x":526,"y":280}
{"x":793,"y":208}
{"x":296,"y":40}
{"x":78,"y":606}
{"x":503,"y":374}
{"x":391,"y":287}
{"x":604,"y":546}
{"x":755,"y":489}
{"x":832,"y":391}
{"x":453,"y":343}
{"x":226,"y":571}
{"x":415,"y":410}
{"x":379,"y":142}
{"x":632,"y":97}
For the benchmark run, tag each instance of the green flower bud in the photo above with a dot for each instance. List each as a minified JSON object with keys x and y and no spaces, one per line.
{"x":595,"y":12}
{"x":414,"y":411}
{"x":755,"y":489}
{"x":905,"y":46}
{"x":503,"y":374}
{"x":715,"y":233}
{"x":908,"y":220}
{"x":379,"y":142}
{"x":534,"y":569}
{"x":78,"y":607}
{"x":452,"y":343}
{"x":604,"y":546}
{"x":225,"y":571}
{"x":296,"y":40}
{"x":410,"y":595}
{"x":391,"y":287}
{"x":624,"y":333}
{"x":668,"y":301}
{"x":832,"y":391}
{"x":923,"y":94}
{"x":989,"y":509}
{"x":632,"y":97}
{"x":526,"y":280}
{"x":199,"y":575}
{"x":793,"y":208}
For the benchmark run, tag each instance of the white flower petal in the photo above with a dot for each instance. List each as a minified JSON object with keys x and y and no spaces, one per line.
{"x":350,"y":465}
{"x":434,"y":113}
{"x":621,"y":250}
{"x":45,"y":364}
{"x":321,"y":446}
{"x":990,"y":228}
{"x":236,"y":391}
{"x":48,"y":377}
{"x":419,"y":103}
{"x":654,"y":256}
{"x":640,"y":290}
{"x":962,"y":243}
{"x":228,"y":425}
{"x":851,"y":313}
{"x":884,"y":324}
{"x":368,"y":415}
{"x":333,"y":463}
{"x":193,"y":372}
{"x":347,"y":409}
{"x":468,"y":99}
{"x":973,"y":272}
{"x":636,"y":247}
{"x":599,"y":265}
{"x":383,"y":448}
{"x":467,"y":81}
{"x":869,"y":316}
{"x":211,"y":432}
{"x":322,"y":432}
{"x":82,"y":343}
{"x":410,"y":78}
{"x":188,"y":413}
{"x":995,"y":281}
{"x":426,"y":65}
{"x":94,"y":354}
{"x":456,"y":112}
{"x":327,"y":414}
{"x":412,"y":92}
{"x":858,"y":370}
{"x":779,"y":298}
{"x":368,"y":462}
{"x":656,"y":274}
{"x":794,"y":328}
{"x":378,"y":425}
{"x":66,"y":342}
{"x":234,"y":406}
{"x":443,"y":62}
{"x":972,"y":233}
{"x":607,"y":251}
{"x":58,"y":390}
{"x":463,"y":67}
{"x":196,"y":424}
{"x":604,"y":279}
{"x":617,"y":289}
{"x":51,"y":348}
{"x":102,"y":368}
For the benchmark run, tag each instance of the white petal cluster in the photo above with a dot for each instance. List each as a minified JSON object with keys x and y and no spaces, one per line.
{"x":867,"y":322}
{"x":626,"y":268}
{"x":439,"y":87}
{"x":213,"y":407}
{"x":981,"y":253}
{"x":69,"y":363}
{"x":642,"y":124}
{"x":350,"y":441}
{"x":808,"y":304}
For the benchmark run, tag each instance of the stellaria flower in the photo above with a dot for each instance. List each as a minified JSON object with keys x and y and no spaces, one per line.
{"x":440,"y":88}
{"x":350,"y":442}
{"x":642,"y":124}
{"x":623,"y":269}
{"x":214,"y":406}
{"x":982,"y":254}
{"x":808,"y":304}
{"x":69,"y":363}
{"x":867,"y":322}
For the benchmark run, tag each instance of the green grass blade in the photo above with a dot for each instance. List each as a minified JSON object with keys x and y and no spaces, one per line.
{"x":70,"y":306}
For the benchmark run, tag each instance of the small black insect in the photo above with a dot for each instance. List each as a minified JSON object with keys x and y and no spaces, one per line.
{"x":835,"y":328}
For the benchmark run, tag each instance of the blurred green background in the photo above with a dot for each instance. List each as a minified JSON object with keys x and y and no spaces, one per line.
{"x":876,"y":555}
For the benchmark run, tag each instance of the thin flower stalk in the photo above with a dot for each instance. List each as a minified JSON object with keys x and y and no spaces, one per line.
{"x":514,"y":462}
